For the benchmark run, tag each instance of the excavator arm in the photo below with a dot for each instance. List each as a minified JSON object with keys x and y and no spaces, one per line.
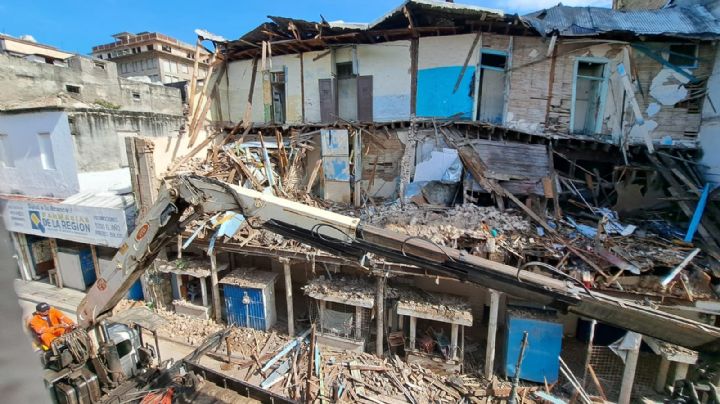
{"x":184,"y":198}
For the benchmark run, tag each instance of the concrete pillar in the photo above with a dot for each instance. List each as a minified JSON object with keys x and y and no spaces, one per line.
{"x":492,"y":333}
{"x":288,"y":295}
{"x":628,"y":377}
{"x":215,"y":288}
{"x":380,"y":314}
{"x":662,"y":374}
{"x":400,"y":322}
{"x":358,"y":322}
{"x":413,"y":331}
{"x":454,"y":341}
{"x":681,"y":371}
{"x":203,"y":291}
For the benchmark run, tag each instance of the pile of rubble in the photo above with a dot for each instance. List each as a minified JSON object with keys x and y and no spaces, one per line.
{"x":186,"y":329}
{"x":299,"y":369}
{"x":448,"y":226}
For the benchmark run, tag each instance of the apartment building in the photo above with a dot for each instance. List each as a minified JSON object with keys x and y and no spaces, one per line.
{"x":158,"y":57}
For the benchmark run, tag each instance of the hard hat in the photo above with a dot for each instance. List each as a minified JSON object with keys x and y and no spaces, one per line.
{"x":41,"y":307}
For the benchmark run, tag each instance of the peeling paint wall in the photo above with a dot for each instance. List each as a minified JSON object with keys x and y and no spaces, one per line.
{"x":440,"y":60}
{"x":20,"y":142}
{"x":671,"y":120}
{"x":529,"y":79}
{"x":99,"y":135}
{"x":659,"y":91}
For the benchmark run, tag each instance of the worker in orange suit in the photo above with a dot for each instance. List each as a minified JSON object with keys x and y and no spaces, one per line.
{"x":49,"y":323}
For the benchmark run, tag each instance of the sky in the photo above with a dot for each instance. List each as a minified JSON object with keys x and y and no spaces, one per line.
{"x":76,"y":26}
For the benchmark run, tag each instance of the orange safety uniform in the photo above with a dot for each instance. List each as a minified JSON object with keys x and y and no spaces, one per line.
{"x":49,"y":327}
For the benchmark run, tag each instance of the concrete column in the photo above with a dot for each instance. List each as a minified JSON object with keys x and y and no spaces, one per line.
{"x":288,"y":295}
{"x":628,"y":377}
{"x":203,"y":291}
{"x":380,"y":314}
{"x":215,"y":288}
{"x":662,"y":374}
{"x":492,"y":332}
{"x":413,"y":331}
{"x":400,"y":322}
{"x":681,"y":371}
{"x":454,"y":342}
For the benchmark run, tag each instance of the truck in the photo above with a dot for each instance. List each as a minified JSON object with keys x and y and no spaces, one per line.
{"x":183,"y":199}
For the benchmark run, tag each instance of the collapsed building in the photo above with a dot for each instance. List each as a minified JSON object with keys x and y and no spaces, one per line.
{"x":558,"y":141}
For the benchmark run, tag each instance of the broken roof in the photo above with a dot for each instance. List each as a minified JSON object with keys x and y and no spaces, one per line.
{"x":425,"y":11}
{"x":249,"y":278}
{"x":694,"y":21}
{"x":415,"y":18}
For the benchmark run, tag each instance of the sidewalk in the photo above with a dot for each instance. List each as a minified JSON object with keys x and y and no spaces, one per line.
{"x":33,"y":292}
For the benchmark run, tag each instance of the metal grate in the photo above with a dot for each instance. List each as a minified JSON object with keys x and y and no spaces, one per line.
{"x":341,"y":319}
{"x":609,"y":369}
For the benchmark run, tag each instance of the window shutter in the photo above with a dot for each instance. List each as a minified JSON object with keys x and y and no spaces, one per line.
{"x":365,"y":98}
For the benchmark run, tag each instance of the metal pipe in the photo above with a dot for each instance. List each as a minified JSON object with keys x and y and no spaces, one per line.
{"x":516,"y":378}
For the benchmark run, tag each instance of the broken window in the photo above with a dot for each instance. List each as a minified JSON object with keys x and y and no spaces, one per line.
{"x":344,"y":70}
{"x":683,"y":55}
{"x":491,"y":86}
{"x":589,"y":87}
{"x":149,"y":47}
{"x":277,"y":85}
{"x":72,"y":89}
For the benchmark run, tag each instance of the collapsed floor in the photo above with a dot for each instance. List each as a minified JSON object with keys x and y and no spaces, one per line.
{"x":601,"y":221}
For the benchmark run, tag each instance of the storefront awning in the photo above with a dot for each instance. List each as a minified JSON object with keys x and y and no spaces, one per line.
{"x":90,"y":218}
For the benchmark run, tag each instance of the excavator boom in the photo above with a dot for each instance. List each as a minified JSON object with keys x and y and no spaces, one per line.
{"x":184,"y":198}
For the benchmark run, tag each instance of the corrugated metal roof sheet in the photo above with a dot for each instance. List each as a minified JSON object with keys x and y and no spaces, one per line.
{"x":440,"y":6}
{"x":694,"y":21}
{"x":101,"y":200}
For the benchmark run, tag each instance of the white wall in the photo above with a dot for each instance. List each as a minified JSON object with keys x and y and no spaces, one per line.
{"x":312,"y":72}
{"x":293,"y":90}
{"x":239,"y":78}
{"x":441,"y":51}
{"x":21,"y":143}
{"x":389,"y":64}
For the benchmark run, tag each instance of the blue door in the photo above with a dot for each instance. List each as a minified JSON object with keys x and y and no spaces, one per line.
{"x":541,"y":361}
{"x":135,"y":292}
{"x":244,"y":307}
{"x":87,"y":266}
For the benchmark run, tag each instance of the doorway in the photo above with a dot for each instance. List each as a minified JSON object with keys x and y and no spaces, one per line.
{"x":588,"y":96}
{"x":491,"y":87}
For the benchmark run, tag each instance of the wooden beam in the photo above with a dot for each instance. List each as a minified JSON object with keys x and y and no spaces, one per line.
{"x":467,"y":60}
{"x":414,"y":47}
